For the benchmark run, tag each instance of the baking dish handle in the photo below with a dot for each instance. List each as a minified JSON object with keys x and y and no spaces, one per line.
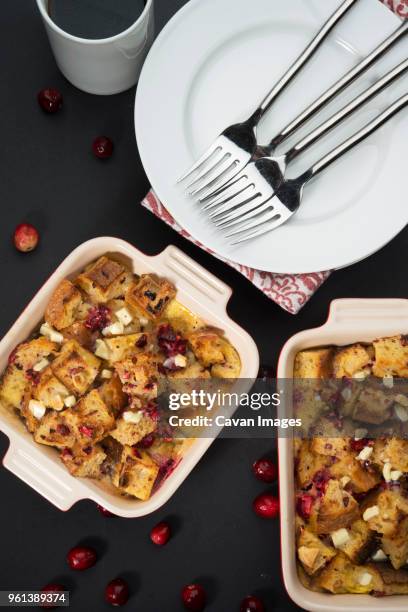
{"x":349,"y":312}
{"x":32,"y":469}
{"x":191,"y":277}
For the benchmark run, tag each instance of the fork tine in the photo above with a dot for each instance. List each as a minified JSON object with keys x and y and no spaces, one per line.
{"x":242,"y":214}
{"x":277,"y":222}
{"x":258,"y":220}
{"x":221,"y":195}
{"x":232,"y":193}
{"x":222,"y":181}
{"x":214,"y":175}
{"x":239,"y":200}
{"x":207,"y":167}
{"x":205,"y":157}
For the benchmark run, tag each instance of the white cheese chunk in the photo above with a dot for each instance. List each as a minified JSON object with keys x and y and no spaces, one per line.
{"x":388,"y":381}
{"x":70,"y":401}
{"x":346,"y":394}
{"x":396,"y":475}
{"x":360,"y":375}
{"x":37,"y":409}
{"x":379,"y":555}
{"x":132,"y":417}
{"x":344,"y":481}
{"x":387,"y":471}
{"x":102,"y":349}
{"x":124,"y":316}
{"x":180,"y":361}
{"x":106,"y":374}
{"x":365,"y":579}
{"x":371,"y":512}
{"x":365,"y":453}
{"x":340,"y":537}
{"x":51,"y":333}
{"x":41,"y":365}
{"x":143,"y":321}
{"x":116,"y":329}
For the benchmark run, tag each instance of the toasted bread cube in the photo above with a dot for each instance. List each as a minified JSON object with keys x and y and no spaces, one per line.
{"x":308,"y":464}
{"x":231,"y":366}
{"x":392,"y":450}
{"x":121,"y":347}
{"x":362,"y":542}
{"x":130,"y":433}
{"x":139,"y":375}
{"x":362,"y":480}
{"x":165,"y":452}
{"x":50,"y":390}
{"x":76,"y":367}
{"x":64,"y":302}
{"x":372,"y":406}
{"x":90,"y":419}
{"x":28,"y":354}
{"x":181,"y":318}
{"x":208,"y":347}
{"x":391,"y":357}
{"x":150,"y":295}
{"x":112,"y":394}
{"x":342,"y":576}
{"x":349,"y":360}
{"x":314,"y":363}
{"x":312,"y":552}
{"x":337,"y":509}
{"x":394,"y":582}
{"x":81,"y":334}
{"x":332,"y":447}
{"x":84,"y":461}
{"x":136,"y":473}
{"x":390,"y":507}
{"x":53,"y":430}
{"x":396,"y":546}
{"x":104,"y":280}
{"x":15,"y":387}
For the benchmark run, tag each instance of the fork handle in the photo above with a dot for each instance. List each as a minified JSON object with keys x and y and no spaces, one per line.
{"x":340,"y":85}
{"x":351,"y":142}
{"x":312,"y":47}
{"x":345,"y":112}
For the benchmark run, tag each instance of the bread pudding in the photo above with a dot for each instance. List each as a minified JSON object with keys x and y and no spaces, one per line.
{"x":87,"y":381}
{"x":351,"y":468}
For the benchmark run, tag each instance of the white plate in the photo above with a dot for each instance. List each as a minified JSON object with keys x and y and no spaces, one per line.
{"x":210,"y":67}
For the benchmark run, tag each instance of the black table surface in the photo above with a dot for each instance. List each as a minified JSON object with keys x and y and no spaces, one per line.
{"x":50,"y":178}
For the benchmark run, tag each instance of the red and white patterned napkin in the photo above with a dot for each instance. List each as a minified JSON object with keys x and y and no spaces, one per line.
{"x":290,"y":291}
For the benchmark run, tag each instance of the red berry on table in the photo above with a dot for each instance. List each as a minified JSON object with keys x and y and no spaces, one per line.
{"x":25,"y":237}
{"x":160,"y":534}
{"x":50,"y":100}
{"x":81,"y":558}
{"x":104,"y":511}
{"x":194,"y":597}
{"x":265,"y":470}
{"x":51,"y":588}
{"x":266,"y":506}
{"x":117,"y":592}
{"x":252,"y":604}
{"x":102,"y":147}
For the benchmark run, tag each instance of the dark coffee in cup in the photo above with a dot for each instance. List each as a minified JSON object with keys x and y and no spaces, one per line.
{"x":95,"y":19}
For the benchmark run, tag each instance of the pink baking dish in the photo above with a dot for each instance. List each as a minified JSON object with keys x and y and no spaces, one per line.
{"x":350,"y":320}
{"x":200,"y":291}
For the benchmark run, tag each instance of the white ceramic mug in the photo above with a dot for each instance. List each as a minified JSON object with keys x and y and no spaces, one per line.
{"x":106,"y":66}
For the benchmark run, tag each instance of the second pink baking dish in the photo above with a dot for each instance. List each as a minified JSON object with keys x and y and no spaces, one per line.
{"x":350,"y":320}
{"x":200,"y":291}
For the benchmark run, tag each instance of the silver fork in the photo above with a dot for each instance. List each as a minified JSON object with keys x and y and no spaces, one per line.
{"x":288,"y":197}
{"x":220,"y":190}
{"x":233,"y":148}
{"x":261,"y":178}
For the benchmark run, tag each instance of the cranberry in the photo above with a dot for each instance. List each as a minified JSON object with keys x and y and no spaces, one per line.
{"x":50,"y":100}
{"x":304,"y":505}
{"x":81,"y":558}
{"x":86,"y":431}
{"x":266,"y":505}
{"x":265,"y":470}
{"x":117,"y":592}
{"x":102,"y":147}
{"x":252,"y":604}
{"x":104,"y":511}
{"x":194,"y":597}
{"x":63,"y":430}
{"x":98,"y":318}
{"x":33,"y":376}
{"x":25,"y":237}
{"x":51,"y":588}
{"x":147,"y":441}
{"x":358,"y":445}
{"x":171,"y":343}
{"x":320,"y":481}
{"x":142,"y":341}
{"x":160,"y":534}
